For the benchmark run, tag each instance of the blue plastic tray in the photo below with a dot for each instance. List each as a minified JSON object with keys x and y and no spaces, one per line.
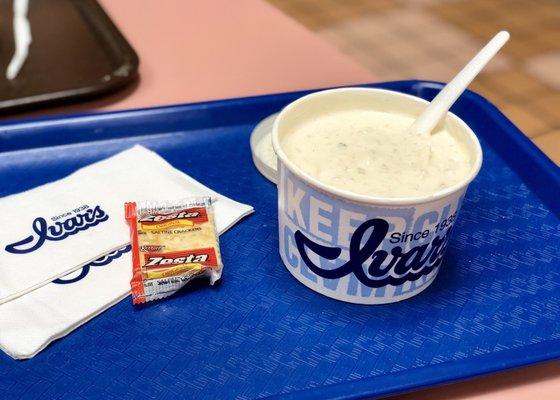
{"x":495,"y":304}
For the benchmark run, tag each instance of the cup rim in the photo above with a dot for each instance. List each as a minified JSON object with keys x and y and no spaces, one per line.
{"x":362,"y":198}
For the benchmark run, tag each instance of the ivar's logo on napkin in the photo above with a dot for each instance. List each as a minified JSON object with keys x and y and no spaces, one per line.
{"x":75,"y":221}
{"x":75,"y":276}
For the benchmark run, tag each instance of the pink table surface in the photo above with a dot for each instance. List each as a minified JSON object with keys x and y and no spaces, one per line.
{"x":193,"y":50}
{"x":202,"y":50}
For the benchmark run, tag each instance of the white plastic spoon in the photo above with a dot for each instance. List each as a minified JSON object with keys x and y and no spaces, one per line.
{"x":22,"y":38}
{"x":439,"y":106}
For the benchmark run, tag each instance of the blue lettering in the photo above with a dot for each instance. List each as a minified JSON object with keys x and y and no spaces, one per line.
{"x":402,"y":266}
{"x":290,"y":256}
{"x":100,"y":262}
{"x":57,"y":231}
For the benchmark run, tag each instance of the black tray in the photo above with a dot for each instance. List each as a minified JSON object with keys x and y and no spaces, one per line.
{"x":76,"y":52}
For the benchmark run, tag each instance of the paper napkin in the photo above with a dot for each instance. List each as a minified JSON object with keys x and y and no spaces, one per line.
{"x":57,"y":228}
{"x":29,"y":322}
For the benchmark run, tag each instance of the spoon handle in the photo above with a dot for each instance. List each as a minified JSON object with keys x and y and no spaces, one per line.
{"x":439,"y":106}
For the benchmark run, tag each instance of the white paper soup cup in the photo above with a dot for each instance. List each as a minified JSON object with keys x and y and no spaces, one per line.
{"x":358,"y":248}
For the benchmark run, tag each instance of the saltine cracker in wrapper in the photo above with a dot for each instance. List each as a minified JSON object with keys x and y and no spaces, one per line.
{"x":173,"y":242}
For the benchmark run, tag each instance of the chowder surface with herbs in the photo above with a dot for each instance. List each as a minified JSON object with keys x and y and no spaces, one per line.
{"x":371,"y":153}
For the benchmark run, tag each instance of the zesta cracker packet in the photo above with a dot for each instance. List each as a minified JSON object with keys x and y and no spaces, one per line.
{"x":173,"y":242}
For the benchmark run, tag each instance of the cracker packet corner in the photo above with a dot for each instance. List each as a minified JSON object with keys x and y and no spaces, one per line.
{"x":173,"y":242}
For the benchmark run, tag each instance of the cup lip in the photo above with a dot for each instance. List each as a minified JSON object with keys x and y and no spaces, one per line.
{"x":362,"y":198}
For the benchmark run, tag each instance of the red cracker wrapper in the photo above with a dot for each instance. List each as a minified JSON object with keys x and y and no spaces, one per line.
{"x":172,"y":244}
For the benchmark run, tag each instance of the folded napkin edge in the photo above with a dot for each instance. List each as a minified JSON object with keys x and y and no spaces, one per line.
{"x":22,"y":355}
{"x":16,"y":295}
